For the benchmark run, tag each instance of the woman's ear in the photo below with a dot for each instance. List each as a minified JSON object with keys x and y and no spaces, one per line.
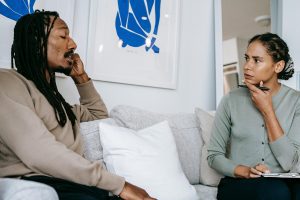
{"x":279,"y":66}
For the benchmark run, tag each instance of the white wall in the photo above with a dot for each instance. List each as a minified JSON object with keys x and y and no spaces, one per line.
{"x":196,"y":73}
{"x":196,"y":82}
{"x":291,"y":34}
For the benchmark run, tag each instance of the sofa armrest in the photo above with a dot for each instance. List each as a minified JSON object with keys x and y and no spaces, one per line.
{"x":15,"y":189}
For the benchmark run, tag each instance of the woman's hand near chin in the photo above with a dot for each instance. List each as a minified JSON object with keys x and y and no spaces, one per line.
{"x":263,"y":102}
{"x":261,"y":99}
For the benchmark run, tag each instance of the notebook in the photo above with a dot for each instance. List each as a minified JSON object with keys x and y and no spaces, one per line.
{"x":281,"y":175}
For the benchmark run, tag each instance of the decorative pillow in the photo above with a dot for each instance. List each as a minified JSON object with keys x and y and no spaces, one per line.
{"x":184,"y":127}
{"x":208,"y":176}
{"x":147,"y":158}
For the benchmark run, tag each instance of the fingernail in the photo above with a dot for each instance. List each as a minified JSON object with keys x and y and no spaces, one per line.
{"x":267,"y":171}
{"x":261,"y":83}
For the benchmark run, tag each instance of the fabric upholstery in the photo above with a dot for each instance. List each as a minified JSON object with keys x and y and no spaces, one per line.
{"x":208,"y":176}
{"x":184,"y":127}
{"x":90,"y":135}
{"x":147,"y":158}
{"x":15,"y":189}
{"x":206,"y":192}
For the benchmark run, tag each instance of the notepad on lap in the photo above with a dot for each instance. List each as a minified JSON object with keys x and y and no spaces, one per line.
{"x":281,"y":175}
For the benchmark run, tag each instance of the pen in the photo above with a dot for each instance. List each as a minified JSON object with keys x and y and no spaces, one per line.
{"x":263,"y":88}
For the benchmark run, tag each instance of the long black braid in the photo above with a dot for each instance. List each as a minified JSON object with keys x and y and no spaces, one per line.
{"x":29,"y":54}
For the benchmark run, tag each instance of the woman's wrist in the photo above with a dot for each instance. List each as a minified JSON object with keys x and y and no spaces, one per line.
{"x":241,"y":171}
{"x":269,"y":113}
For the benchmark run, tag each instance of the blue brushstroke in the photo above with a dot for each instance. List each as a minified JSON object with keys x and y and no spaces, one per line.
{"x":14,"y":9}
{"x":134,"y":25}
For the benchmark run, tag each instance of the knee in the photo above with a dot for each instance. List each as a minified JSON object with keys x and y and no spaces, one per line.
{"x":271,"y":193}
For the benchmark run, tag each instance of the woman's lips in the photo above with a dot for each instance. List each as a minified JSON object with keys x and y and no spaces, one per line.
{"x":247,"y":76}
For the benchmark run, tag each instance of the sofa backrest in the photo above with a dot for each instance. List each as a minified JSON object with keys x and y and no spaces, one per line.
{"x":183,"y":125}
{"x":92,"y":148}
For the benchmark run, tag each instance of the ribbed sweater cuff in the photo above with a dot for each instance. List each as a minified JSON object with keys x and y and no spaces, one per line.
{"x":111,"y":182}
{"x":86,"y":90}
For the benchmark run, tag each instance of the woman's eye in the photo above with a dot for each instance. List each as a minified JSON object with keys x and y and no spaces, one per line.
{"x":246,"y":58}
{"x":63,"y":37}
{"x":257,"y":61}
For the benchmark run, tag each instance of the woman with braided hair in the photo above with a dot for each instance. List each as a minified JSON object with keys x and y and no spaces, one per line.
{"x":39,"y":137}
{"x":257,"y":127}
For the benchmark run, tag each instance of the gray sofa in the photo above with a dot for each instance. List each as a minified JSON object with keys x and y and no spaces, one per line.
{"x":189,"y":132}
{"x":13,"y":189}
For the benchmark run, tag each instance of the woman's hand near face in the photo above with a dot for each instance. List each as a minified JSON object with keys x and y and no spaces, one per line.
{"x":263,"y":102}
{"x":261,"y":99}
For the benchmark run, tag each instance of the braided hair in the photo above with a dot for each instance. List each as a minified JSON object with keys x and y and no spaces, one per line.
{"x":278,"y":50}
{"x":29,"y":55}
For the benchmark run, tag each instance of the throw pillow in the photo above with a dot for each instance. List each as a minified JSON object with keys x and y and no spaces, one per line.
{"x":147,"y":158}
{"x":184,"y":127}
{"x":208,"y":176}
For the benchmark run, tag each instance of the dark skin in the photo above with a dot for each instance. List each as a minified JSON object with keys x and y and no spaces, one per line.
{"x":61,"y":58}
{"x":260,"y":69}
{"x":59,"y":44}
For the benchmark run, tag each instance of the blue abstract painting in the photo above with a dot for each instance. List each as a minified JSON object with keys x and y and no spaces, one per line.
{"x":137,"y":23}
{"x":14,"y":9}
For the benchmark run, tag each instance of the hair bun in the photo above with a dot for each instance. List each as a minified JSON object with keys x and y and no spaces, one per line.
{"x":288,"y":70}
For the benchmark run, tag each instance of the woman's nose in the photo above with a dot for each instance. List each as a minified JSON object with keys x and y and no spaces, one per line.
{"x":247,"y":65}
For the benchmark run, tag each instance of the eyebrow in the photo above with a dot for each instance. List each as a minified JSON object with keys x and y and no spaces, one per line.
{"x":255,"y":57}
{"x":62,"y":27}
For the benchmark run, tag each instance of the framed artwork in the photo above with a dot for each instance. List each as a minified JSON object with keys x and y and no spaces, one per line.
{"x":134,"y":42}
{"x":12,"y":10}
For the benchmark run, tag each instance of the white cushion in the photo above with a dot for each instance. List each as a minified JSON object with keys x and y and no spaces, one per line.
{"x":15,"y":189}
{"x":208,"y":176}
{"x":184,"y":127}
{"x":147,"y":158}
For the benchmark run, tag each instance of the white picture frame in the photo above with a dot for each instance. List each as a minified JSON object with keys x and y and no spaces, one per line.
{"x":107,"y":61}
{"x":64,"y":8}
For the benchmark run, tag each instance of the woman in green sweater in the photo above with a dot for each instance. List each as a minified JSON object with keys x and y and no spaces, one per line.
{"x":257,"y":131}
